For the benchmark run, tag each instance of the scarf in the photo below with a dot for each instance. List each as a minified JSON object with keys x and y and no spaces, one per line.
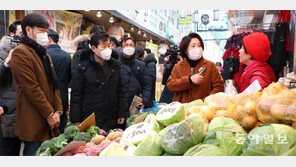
{"x":47,"y":64}
{"x":193,"y":63}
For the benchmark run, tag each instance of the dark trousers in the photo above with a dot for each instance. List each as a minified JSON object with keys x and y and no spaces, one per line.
{"x":31,"y":148}
{"x":63,"y":122}
{"x":12,"y":146}
{"x":2,"y":152}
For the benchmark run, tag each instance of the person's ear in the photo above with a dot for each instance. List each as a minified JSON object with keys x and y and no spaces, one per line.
{"x":93,"y":48}
{"x":28,"y":30}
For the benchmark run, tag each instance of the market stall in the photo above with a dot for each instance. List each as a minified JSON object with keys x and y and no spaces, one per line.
{"x":245,"y":124}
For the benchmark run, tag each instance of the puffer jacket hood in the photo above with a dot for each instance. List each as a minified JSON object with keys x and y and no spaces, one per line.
{"x":6,"y":45}
{"x":150,"y":58}
{"x":81,"y":41}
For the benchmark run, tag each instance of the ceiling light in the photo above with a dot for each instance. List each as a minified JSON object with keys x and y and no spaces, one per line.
{"x":99,"y":14}
{"x":87,"y":10}
{"x":139,"y":32}
{"x":144,"y":35}
{"x":111,"y":20}
{"x":151,"y":40}
{"x":132,"y":29}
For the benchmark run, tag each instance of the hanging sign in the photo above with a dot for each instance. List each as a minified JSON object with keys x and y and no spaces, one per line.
{"x":241,"y":17}
{"x":116,"y":31}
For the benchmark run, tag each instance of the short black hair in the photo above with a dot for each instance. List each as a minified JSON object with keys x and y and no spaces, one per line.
{"x":139,"y":51}
{"x":34,"y":20}
{"x":13,"y":27}
{"x":53,"y":35}
{"x":97,"y":37}
{"x":148,"y":50}
{"x":126,"y":39}
{"x":218,"y":64}
{"x":186,"y":41}
{"x":96,"y":29}
{"x":115,"y":41}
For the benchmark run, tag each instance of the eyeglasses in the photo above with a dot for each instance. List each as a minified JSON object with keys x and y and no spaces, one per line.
{"x":126,"y":45}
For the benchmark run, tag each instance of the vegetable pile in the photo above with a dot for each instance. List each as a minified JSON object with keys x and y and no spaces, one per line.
{"x":247,"y":124}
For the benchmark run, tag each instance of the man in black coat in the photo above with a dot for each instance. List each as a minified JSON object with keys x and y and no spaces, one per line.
{"x":150,"y":62}
{"x":7,"y":90}
{"x":3,"y":110}
{"x":134,"y":74}
{"x":62,"y":66}
{"x":97,"y":86}
{"x":84,"y":45}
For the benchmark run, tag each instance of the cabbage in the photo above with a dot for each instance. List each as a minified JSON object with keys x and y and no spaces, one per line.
{"x":171,"y":113}
{"x":226,"y":134}
{"x":198,"y":102}
{"x":136,"y":133}
{"x":114,"y":149}
{"x":128,"y":147}
{"x":152,"y":123}
{"x":282,"y":141}
{"x":225,"y":124}
{"x":178,"y":138}
{"x":205,"y":150}
{"x":230,"y":142}
{"x":150,"y":146}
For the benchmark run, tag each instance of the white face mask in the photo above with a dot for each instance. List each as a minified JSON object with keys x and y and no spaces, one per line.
{"x":42,"y":39}
{"x":195,"y":54}
{"x":129,"y":51}
{"x":105,"y":54}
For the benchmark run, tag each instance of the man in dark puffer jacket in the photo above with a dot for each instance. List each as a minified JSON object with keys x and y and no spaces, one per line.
{"x":97,"y":86}
{"x":134,"y":74}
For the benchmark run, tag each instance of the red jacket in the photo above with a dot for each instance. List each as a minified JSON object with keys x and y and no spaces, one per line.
{"x":257,"y":70}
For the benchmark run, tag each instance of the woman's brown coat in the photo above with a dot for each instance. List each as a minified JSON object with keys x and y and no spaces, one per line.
{"x":184,"y":92}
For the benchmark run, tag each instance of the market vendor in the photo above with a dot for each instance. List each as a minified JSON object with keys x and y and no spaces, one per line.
{"x":254,"y":53}
{"x":187,"y":81}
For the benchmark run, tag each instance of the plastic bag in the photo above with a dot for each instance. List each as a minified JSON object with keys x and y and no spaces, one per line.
{"x":277,"y":105}
{"x":220,"y":100}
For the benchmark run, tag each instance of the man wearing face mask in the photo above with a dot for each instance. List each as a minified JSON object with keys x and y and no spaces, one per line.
{"x":188,"y":81}
{"x":97,"y":86}
{"x":134,"y":74}
{"x":38,"y":99}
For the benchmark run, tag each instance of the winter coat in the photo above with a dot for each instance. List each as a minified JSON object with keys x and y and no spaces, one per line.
{"x":5,"y":109}
{"x":135,"y":79}
{"x":82,"y":43}
{"x":257,"y":70}
{"x":7,"y":90}
{"x":179,"y":82}
{"x":96,"y":92}
{"x":62,"y":66}
{"x":36,"y":99}
{"x":151,"y":62}
{"x":166,"y":95}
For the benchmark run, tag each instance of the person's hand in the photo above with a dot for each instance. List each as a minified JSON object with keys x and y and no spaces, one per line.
{"x":120,"y":120}
{"x":197,"y":79}
{"x":56,"y":117}
{"x":7,"y":60}
{"x":76,"y":124}
{"x":51,"y":121}
{"x":1,"y":111}
{"x":140,"y":105}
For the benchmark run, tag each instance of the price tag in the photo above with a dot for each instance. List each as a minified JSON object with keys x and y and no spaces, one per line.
{"x":254,"y":87}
